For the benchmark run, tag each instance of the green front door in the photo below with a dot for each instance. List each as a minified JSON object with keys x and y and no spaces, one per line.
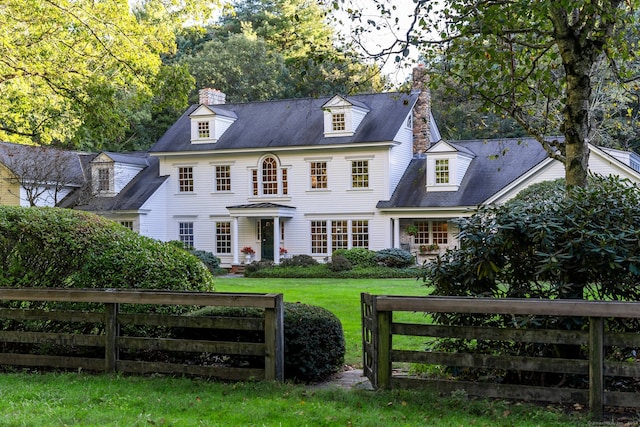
{"x":266,"y":228}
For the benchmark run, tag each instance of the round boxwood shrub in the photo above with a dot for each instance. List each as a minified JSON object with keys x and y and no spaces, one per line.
{"x":361,"y":257}
{"x":394,"y":257}
{"x":299,"y":261}
{"x":339,"y":263}
{"x":314,"y":346}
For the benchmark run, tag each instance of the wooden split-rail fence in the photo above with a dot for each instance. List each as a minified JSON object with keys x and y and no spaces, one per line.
{"x":109,"y":340}
{"x":380,"y":356}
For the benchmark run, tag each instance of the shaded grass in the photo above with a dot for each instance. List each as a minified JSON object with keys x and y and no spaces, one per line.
{"x":341,"y":297}
{"x":80,"y":400}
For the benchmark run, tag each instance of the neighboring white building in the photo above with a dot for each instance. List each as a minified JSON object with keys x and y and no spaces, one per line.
{"x":314,"y":175}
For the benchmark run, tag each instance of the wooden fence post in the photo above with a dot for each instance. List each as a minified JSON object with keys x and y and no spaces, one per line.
{"x":383,"y":344}
{"x":596,"y":367}
{"x":111,"y":336}
{"x":274,"y":340}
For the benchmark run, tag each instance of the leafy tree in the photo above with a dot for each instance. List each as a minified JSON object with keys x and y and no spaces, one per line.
{"x":242,"y":66}
{"x":531,"y":60}
{"x":543,"y":244}
{"x":75,"y":70}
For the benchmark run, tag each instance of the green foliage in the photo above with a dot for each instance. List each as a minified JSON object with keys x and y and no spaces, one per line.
{"x":323,"y":271}
{"x":49,"y":247}
{"x":314,"y":346}
{"x":358,"y":256}
{"x":339,"y":263}
{"x":394,"y":257}
{"x":545,"y":244}
{"x":299,"y":261}
{"x":313,"y":339}
{"x":211,"y":261}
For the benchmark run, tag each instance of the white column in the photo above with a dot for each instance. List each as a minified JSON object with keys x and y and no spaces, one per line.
{"x":235,"y":248}
{"x":276,"y":240}
{"x":396,"y":232}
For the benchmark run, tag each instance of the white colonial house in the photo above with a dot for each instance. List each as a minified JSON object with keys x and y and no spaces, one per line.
{"x":309,"y":176}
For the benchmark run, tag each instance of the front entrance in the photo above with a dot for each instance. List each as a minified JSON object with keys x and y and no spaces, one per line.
{"x":266,"y":245}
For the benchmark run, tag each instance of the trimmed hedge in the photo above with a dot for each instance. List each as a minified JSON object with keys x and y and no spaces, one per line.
{"x":51,"y":247}
{"x":314,"y":345}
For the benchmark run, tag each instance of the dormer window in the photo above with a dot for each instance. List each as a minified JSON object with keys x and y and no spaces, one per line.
{"x":209,"y":122}
{"x":342,"y":116}
{"x":203,"y":130}
{"x":442,"y":171}
{"x":337,"y":122}
{"x":104,"y":180}
{"x":447,"y":164}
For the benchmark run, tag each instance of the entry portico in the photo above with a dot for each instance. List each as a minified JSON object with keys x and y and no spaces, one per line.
{"x":269,"y":216}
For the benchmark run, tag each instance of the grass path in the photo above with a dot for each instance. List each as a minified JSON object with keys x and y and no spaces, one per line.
{"x":341,"y":297}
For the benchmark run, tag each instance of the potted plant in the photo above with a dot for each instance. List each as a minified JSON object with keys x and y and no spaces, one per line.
{"x":412,"y":230}
{"x":248,"y":252}
{"x":283,"y":251}
{"x":429,"y":248}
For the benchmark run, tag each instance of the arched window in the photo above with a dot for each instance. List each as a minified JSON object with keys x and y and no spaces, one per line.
{"x":269,"y":179}
{"x":269,"y":176}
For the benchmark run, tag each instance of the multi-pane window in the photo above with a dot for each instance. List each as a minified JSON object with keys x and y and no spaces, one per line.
{"x":269,"y":176}
{"x":360,"y":174}
{"x":338,"y":122}
{"x":223,"y":178}
{"x":339,"y":235}
{"x":440,"y":232}
{"x":431,"y":233}
{"x":185,"y":234}
{"x":203,"y":130}
{"x":422,"y":236}
{"x":319,"y":237}
{"x":223,"y":237}
{"x":270,"y":180}
{"x":442,"y":171}
{"x":185,"y":179}
{"x":360,"y":233}
{"x":128,"y":224}
{"x":104,"y":179}
{"x":318,"y":174}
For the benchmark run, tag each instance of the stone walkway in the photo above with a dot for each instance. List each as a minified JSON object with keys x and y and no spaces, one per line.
{"x":347,"y":379}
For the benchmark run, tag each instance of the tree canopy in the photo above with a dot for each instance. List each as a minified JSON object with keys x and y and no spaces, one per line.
{"x":74,"y":69}
{"x":535,"y":61}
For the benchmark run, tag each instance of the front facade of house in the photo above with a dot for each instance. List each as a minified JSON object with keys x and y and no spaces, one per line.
{"x":310,"y":176}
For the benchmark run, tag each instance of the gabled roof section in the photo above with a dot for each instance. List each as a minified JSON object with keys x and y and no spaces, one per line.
{"x":342,"y":101}
{"x":292,"y":123}
{"x":136,"y":159}
{"x":496,"y":164}
{"x":42,"y":163}
{"x":132,"y":197}
{"x":215,"y":110}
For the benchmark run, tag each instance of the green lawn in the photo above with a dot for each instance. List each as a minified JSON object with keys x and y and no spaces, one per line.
{"x":76,"y":399}
{"x":341,"y":297}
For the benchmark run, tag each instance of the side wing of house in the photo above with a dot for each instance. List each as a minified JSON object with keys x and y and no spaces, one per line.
{"x":9,"y":187}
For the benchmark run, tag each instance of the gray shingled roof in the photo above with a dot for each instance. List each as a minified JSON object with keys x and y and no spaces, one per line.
{"x":496,"y":164}
{"x":55,"y":163}
{"x":131,"y":197}
{"x":292,"y":123}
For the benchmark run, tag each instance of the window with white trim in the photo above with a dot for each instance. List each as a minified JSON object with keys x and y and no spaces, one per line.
{"x":360,"y":174}
{"x":339,"y":235}
{"x":185,"y":234}
{"x":319,"y":238}
{"x":442,"y":171}
{"x":127,"y":224}
{"x":432,"y":233}
{"x":338,"y":122}
{"x":223,"y":237}
{"x":223,"y":178}
{"x":185,"y":179}
{"x":360,"y":233}
{"x":104,"y":179}
{"x":204,"y":130}
{"x":318,"y":173}
{"x":270,"y":180}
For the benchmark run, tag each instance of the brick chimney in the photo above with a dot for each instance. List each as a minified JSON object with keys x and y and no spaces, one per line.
{"x":421,"y":111}
{"x":210,"y":96}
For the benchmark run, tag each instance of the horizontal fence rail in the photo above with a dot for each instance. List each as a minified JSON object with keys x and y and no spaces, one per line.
{"x":379,"y":355}
{"x":95,"y":339}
